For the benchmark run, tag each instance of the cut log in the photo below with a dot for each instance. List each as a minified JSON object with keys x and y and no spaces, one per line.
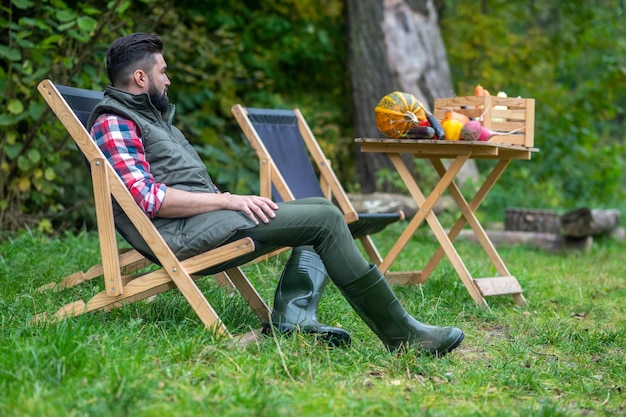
{"x":551,"y":242}
{"x":618,"y":234}
{"x":531,"y":220}
{"x":585,"y":222}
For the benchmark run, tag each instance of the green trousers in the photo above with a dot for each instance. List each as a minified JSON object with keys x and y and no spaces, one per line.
{"x":318,"y":223}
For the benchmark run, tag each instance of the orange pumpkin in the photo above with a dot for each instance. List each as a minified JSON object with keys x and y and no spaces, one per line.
{"x":397,"y":112}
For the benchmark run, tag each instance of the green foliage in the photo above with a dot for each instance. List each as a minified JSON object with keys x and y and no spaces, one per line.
{"x":280,"y":55}
{"x":41,"y":175}
{"x":568,"y":56}
{"x":220,"y":53}
{"x":291,"y":53}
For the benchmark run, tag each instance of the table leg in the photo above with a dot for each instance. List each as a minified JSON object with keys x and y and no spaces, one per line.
{"x":468,"y":216}
{"x":425,"y":206}
{"x":468,"y":213}
{"x":425,"y":213}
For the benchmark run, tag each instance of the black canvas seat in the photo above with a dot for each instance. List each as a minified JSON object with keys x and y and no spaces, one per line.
{"x":292,"y":165}
{"x":278,"y":129}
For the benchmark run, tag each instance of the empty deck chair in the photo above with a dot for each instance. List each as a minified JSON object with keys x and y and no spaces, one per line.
{"x":286,"y":147}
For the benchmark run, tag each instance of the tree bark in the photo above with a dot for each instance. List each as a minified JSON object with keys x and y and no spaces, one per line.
{"x":393,"y":45}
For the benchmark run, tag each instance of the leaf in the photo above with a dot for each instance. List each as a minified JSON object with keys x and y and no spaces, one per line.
{"x":12,"y":151}
{"x":11,"y":137}
{"x":36,"y":109}
{"x":86,"y":23}
{"x":36,"y":24}
{"x":45,"y":226}
{"x":23,"y":184}
{"x":25,"y":22}
{"x":53,"y":39}
{"x":49,"y":174}
{"x":27,"y":67}
{"x":9,"y":53}
{"x":121,"y":8}
{"x":23,"y":163}
{"x":24,"y":43}
{"x":65,"y":26}
{"x":91,"y":10}
{"x":15,"y":106}
{"x":37,"y":75}
{"x":65,"y":15}
{"x":34,"y":156}
{"x":22,"y":4}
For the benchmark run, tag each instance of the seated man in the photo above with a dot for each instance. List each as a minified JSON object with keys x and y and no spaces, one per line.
{"x":133,"y":127}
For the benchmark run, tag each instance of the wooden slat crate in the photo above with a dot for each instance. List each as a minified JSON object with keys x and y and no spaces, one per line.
{"x":501,"y":114}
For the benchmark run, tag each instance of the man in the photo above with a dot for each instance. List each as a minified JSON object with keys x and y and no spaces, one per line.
{"x":132,"y":125}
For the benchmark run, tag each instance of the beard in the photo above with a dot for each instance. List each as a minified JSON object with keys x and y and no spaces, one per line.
{"x":159,"y":100}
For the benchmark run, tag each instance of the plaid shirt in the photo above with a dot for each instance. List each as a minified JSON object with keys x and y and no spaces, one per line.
{"x":118,"y":138}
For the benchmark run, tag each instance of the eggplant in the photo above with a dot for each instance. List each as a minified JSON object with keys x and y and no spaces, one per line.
{"x":420,"y":132}
{"x":434,"y":123}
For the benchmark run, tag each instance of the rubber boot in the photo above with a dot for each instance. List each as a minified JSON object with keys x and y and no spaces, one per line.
{"x":298,"y":295}
{"x":374,"y":301}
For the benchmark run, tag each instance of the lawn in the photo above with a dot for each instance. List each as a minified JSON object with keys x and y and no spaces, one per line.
{"x":561,"y":355}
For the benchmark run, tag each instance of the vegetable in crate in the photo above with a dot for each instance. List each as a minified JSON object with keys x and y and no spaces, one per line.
{"x":453,"y":115}
{"x":480,"y":91}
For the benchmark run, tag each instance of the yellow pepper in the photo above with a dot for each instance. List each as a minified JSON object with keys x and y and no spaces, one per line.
{"x":452,"y":129}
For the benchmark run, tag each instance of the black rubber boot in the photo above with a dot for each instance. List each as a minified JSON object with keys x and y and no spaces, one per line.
{"x":374,"y":301}
{"x":298,"y":295}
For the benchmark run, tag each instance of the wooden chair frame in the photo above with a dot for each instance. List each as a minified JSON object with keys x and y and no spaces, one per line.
{"x":270,"y":175}
{"x":120,"y":286}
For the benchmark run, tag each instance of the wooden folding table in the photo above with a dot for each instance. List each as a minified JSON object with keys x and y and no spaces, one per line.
{"x":459,"y":152}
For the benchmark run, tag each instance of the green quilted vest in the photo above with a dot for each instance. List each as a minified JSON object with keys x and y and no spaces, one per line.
{"x":174,"y":162}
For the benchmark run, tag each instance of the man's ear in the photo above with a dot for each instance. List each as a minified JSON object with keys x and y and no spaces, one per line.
{"x":140,"y":78}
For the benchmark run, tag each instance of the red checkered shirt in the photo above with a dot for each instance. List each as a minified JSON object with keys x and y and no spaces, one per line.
{"x":119,"y":139}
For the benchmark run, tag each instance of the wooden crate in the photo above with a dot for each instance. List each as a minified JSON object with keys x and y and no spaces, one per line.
{"x":501,"y":114}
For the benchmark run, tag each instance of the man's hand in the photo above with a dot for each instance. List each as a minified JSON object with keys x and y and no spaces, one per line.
{"x":254,"y":206}
{"x":178,"y":203}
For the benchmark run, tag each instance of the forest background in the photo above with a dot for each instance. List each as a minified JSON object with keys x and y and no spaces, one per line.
{"x":568,"y":55}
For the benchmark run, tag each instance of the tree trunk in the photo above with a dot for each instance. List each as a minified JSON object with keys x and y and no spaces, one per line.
{"x":393,"y":45}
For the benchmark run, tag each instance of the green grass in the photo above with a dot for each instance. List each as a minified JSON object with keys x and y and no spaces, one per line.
{"x":561,"y":355}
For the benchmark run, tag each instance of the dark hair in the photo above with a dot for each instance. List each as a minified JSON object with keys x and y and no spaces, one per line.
{"x":131,"y":52}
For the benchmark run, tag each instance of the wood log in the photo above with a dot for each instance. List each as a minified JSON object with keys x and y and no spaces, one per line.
{"x":585,"y":222}
{"x":551,"y":242}
{"x":531,"y":220}
{"x":618,"y":234}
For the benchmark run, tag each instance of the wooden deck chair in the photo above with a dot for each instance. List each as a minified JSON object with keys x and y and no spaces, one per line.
{"x":285,"y":146}
{"x":72,"y":107}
